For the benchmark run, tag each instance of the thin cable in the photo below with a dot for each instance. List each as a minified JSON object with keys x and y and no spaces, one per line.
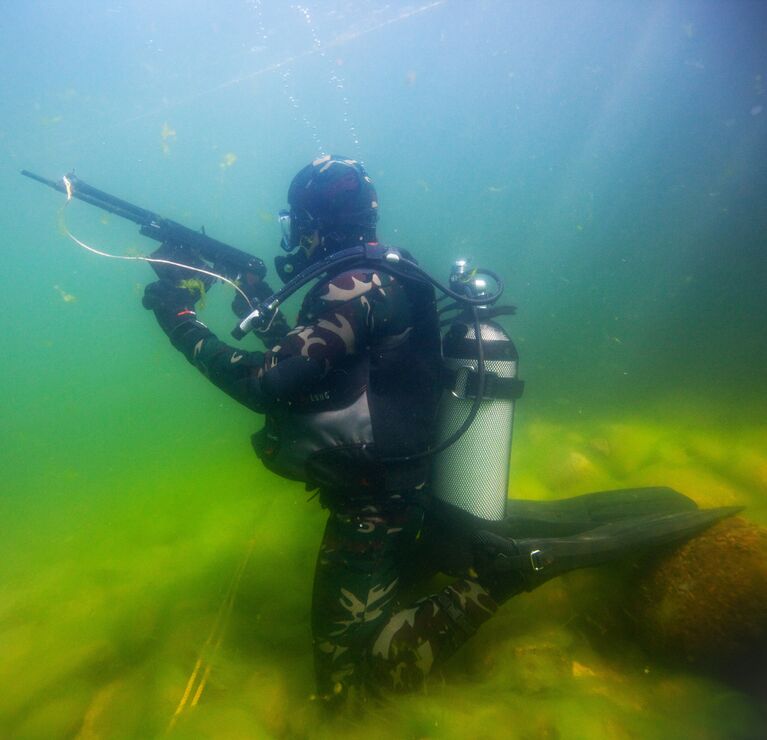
{"x":213,"y":642}
{"x":140,"y":258}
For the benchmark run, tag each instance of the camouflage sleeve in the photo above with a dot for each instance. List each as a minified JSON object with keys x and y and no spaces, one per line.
{"x":238,"y":373}
{"x":339,"y":318}
{"x":343,"y":317}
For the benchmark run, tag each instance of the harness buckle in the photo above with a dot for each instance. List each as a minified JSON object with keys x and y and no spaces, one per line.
{"x":536,"y":560}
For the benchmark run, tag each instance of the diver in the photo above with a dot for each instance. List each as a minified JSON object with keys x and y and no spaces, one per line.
{"x":350,"y":397}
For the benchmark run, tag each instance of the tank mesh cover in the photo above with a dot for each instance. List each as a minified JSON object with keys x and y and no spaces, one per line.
{"x":473,"y":473}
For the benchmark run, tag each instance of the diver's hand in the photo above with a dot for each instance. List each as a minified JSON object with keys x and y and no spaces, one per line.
{"x":255,"y":288}
{"x":172,"y":262}
{"x":167,"y":296}
{"x":173,"y":307}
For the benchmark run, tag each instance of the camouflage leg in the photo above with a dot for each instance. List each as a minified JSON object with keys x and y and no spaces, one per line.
{"x":356,"y":581}
{"x":415,"y":639}
{"x":361,"y":637}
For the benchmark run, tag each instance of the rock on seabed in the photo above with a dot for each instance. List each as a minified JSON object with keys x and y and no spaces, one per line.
{"x":706,"y":603}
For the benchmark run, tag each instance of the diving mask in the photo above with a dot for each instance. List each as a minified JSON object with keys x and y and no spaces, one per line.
{"x":285,"y":227}
{"x":291,"y":264}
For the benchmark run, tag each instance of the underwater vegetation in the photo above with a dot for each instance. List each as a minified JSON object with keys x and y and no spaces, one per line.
{"x":156,"y":582}
{"x":109,"y":603}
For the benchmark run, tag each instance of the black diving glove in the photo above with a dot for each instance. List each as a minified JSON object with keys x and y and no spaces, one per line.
{"x":174,"y":308}
{"x":167,"y":296}
{"x":171,"y":262}
{"x":174,"y":296}
{"x":255,"y":288}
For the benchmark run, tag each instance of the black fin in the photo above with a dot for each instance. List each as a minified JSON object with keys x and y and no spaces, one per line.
{"x":581,"y":513}
{"x":541,"y":558}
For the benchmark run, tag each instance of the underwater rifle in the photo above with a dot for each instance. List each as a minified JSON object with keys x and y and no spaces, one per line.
{"x":186,"y":243}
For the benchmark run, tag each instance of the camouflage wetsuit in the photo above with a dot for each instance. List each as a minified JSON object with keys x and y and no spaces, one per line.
{"x":364,"y":637}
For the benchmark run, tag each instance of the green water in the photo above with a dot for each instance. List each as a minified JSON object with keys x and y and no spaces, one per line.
{"x":111,"y":590}
{"x":610,"y":163}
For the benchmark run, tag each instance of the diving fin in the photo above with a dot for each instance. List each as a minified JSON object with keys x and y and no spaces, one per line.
{"x":540,"y":558}
{"x":448,"y":532}
{"x":580,"y":513}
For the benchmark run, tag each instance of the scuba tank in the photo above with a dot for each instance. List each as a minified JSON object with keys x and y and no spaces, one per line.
{"x":472,"y":474}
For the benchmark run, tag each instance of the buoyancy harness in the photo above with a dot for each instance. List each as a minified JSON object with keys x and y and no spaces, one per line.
{"x":343,"y":430}
{"x":372,"y":420}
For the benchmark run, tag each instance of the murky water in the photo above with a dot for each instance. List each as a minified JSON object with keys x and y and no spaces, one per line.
{"x":607,"y":158}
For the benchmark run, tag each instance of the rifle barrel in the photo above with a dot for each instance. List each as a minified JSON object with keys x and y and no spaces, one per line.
{"x":97,"y":198}
{"x":50,"y":183}
{"x":140,"y":215}
{"x":223,"y":256}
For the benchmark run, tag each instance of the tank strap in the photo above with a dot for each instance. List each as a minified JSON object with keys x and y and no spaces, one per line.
{"x":465,"y":348}
{"x":463,"y":384}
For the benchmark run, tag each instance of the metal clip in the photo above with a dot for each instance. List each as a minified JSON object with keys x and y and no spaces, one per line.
{"x":535,"y":561}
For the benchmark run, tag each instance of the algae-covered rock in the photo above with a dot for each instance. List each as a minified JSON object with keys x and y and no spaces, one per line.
{"x":568,"y":469}
{"x":706,"y":602}
{"x":627,"y":447}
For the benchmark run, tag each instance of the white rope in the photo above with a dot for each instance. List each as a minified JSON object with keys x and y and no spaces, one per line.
{"x":140,"y":258}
